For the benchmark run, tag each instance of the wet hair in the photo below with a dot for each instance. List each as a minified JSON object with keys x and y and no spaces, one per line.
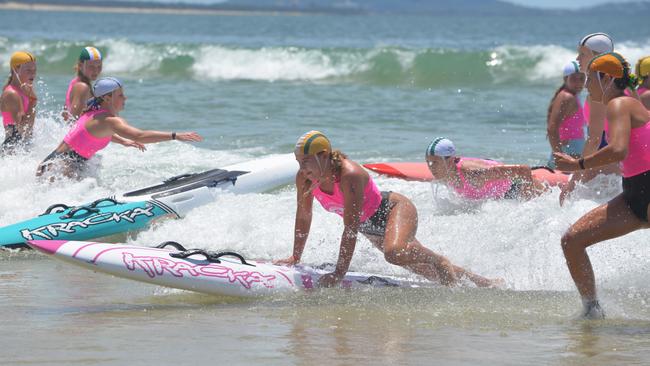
{"x":9,"y":80}
{"x":627,"y":81}
{"x":337,"y":158}
{"x":80,"y":75}
{"x":550,"y":105}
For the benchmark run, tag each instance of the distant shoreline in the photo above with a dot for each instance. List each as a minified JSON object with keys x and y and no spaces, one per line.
{"x":131,"y":9}
{"x":448,"y":8}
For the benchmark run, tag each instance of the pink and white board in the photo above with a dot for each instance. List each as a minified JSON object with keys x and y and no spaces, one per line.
{"x":195,"y":273}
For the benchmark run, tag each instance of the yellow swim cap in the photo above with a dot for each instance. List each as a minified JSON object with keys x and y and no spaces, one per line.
{"x":21,"y":57}
{"x":312,"y":143}
{"x":643,"y":67}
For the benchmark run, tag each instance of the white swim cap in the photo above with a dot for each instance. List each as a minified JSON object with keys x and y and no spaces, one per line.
{"x":598,"y":42}
{"x":571,"y":68}
{"x":441,"y":146}
{"x":106,"y":85}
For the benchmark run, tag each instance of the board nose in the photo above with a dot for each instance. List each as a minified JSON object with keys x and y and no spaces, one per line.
{"x":46,"y":246}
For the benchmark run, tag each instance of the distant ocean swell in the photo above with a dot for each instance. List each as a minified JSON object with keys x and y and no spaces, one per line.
{"x":425,"y":67}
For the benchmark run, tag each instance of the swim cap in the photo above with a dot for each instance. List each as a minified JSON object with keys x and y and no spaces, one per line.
{"x":571,"y":68}
{"x":610,"y":63}
{"x":643,"y":67}
{"x":441,"y":146}
{"x":613,"y":64}
{"x":20,"y":58}
{"x":312,"y":143}
{"x":598,"y":42}
{"x":105,"y":86}
{"x":90,"y":53}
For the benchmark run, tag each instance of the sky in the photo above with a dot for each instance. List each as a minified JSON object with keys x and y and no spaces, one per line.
{"x":572,"y":4}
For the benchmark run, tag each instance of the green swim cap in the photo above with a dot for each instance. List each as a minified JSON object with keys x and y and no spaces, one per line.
{"x":90,"y":53}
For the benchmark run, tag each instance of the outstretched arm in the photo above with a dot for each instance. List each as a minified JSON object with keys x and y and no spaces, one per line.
{"x":127,"y":143}
{"x":122,"y":128}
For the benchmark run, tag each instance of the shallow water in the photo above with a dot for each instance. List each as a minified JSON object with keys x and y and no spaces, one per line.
{"x":381,"y":88}
{"x":95,"y":319}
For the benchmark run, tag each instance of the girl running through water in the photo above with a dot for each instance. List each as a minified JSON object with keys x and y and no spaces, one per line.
{"x":388,"y":219}
{"x":98,"y":126}
{"x":88,"y":68}
{"x":18,"y":101}
{"x":479,"y":179}
{"x":565,"y":120}
{"x":628,"y":134}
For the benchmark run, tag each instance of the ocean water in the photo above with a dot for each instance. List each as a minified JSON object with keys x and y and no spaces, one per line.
{"x":381,"y":88}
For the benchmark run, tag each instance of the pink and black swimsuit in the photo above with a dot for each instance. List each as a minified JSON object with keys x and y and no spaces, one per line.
{"x":12,"y":136}
{"x":636,"y":171}
{"x":82,"y":144}
{"x":375,"y":210}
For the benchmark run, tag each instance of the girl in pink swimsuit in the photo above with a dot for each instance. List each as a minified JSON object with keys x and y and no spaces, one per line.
{"x":629,"y":144}
{"x":99,"y":125}
{"x":479,"y":179}
{"x":565,"y":121}
{"x":88,"y":68}
{"x":18,"y":101}
{"x":387,"y":219}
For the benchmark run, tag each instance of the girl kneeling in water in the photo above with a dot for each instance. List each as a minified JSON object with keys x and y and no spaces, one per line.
{"x":96,"y":128}
{"x":389,"y":220}
{"x":480,"y":179}
{"x":628,"y":135}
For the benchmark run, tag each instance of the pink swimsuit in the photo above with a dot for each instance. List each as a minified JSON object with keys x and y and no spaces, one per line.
{"x":81,"y":141}
{"x":7,"y":118}
{"x":68,"y":102}
{"x":492,"y":189}
{"x":572,"y":128}
{"x":335,"y":202}
{"x":637,"y":160}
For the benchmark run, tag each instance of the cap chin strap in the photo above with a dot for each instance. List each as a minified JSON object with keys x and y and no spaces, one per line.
{"x":320,"y":168}
{"x":15,"y":71}
{"x":602,"y":98}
